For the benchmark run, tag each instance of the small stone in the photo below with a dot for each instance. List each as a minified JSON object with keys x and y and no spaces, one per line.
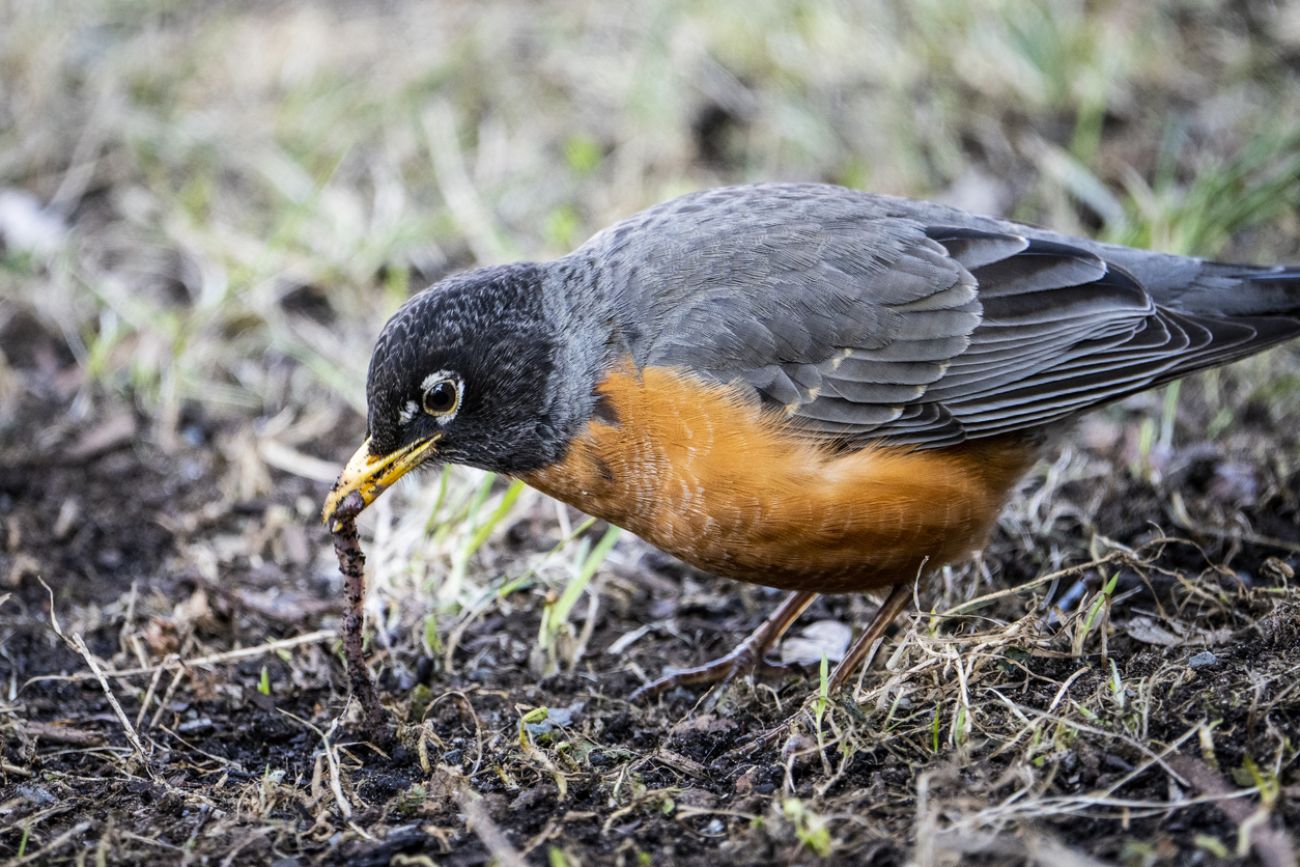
{"x":1203,"y":659}
{"x":36,"y":794}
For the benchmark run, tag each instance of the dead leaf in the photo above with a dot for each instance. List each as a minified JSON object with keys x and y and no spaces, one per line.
{"x":825,"y":637}
{"x":1148,"y":631}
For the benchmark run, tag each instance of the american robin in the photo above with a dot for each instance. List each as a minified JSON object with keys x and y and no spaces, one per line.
{"x":802,"y":386}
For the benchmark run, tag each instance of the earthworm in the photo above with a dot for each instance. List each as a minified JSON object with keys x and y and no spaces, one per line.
{"x":352,"y":563}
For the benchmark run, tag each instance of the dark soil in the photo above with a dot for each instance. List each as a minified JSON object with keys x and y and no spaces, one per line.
{"x":149,"y":552}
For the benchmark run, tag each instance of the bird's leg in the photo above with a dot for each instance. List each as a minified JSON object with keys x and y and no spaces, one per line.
{"x":746,"y":656}
{"x":893,"y":605}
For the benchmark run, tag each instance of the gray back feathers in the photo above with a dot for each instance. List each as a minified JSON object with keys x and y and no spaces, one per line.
{"x":873,"y":319}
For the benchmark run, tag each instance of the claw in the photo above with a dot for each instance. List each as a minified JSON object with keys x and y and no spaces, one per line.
{"x":747,"y":657}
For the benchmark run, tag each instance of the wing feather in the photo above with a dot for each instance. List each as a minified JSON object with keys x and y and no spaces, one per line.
{"x":867,"y":319}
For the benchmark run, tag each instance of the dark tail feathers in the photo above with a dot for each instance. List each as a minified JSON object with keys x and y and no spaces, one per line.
{"x":1247,"y":310}
{"x":1244,"y":290}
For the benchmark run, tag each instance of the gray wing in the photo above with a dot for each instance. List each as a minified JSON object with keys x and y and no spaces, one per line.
{"x":864,"y":318}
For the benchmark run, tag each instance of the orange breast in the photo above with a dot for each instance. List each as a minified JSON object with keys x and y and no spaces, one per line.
{"x":697,"y":470}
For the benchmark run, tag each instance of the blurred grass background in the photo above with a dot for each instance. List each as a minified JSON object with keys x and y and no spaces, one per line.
{"x":248,"y":189}
{"x":215,"y":206}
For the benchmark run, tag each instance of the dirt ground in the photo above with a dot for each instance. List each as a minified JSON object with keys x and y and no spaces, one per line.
{"x":1008,"y":730}
{"x":1115,"y":681}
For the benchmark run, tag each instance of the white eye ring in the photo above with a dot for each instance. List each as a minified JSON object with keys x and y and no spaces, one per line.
{"x":435,"y":404}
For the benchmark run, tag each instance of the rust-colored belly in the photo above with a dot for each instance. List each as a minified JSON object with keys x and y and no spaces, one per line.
{"x":696,"y":470}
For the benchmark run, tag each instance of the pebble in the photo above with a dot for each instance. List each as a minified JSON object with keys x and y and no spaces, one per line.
{"x":1203,"y":659}
{"x":36,"y":794}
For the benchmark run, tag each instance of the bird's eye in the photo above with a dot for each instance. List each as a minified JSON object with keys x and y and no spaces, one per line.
{"x":442,"y":398}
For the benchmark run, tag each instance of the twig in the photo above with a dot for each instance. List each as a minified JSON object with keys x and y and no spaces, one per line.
{"x":53,"y":846}
{"x":131,"y":736}
{"x":1271,"y":844}
{"x":167,"y":696}
{"x":7,"y":768}
{"x":79,"y":644}
{"x":56,"y":734}
{"x":491,"y":836}
{"x":1233,"y":535}
{"x":1037,"y":582}
{"x":210,"y":659}
{"x":148,"y":696}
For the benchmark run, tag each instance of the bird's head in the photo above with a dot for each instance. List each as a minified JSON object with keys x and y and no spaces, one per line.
{"x":470,"y":371}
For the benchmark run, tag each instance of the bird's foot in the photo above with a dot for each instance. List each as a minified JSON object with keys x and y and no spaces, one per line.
{"x":748,"y":657}
{"x":745,"y":659}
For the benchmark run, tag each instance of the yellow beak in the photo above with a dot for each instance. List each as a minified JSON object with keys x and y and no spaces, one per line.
{"x":369,"y":475}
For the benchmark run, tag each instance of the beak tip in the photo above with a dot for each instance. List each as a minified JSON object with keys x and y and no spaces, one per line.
{"x":365,"y":477}
{"x":339,"y":511}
